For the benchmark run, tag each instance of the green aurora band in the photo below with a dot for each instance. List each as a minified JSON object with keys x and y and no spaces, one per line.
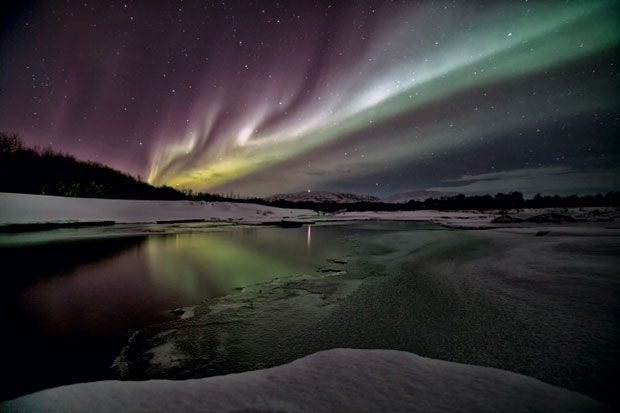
{"x":399,"y":76}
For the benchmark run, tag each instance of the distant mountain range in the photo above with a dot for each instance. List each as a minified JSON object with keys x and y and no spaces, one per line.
{"x":322,"y":196}
{"x":420,"y":196}
{"x":345,"y":197}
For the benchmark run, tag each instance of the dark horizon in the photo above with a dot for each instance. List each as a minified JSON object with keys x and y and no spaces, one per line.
{"x":20,"y":168}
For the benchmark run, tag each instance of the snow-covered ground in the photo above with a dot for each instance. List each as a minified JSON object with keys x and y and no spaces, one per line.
{"x":25,"y":208}
{"x":334,"y":380}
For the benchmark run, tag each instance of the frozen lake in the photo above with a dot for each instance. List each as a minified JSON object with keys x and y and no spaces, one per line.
{"x":71,"y":297}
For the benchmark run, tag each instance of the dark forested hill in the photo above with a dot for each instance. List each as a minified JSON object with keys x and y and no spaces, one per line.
{"x":46,"y":172}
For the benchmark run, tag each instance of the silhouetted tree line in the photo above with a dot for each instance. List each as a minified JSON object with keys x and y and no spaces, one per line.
{"x":512,"y":200}
{"x":48,"y":172}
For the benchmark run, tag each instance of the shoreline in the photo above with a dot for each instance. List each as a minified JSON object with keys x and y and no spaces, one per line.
{"x":532,"y":298}
{"x":417,"y":300}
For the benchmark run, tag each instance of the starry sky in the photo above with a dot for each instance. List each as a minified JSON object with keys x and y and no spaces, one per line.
{"x":375,"y":97}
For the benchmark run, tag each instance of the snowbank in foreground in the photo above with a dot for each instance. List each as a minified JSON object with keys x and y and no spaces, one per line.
{"x":334,"y":380}
{"x":25,"y":208}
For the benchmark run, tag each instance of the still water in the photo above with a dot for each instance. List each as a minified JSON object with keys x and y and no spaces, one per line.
{"x":161,"y":272}
{"x":71,"y":303}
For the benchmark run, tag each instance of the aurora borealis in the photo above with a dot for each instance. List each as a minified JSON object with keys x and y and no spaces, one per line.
{"x":371,"y":97}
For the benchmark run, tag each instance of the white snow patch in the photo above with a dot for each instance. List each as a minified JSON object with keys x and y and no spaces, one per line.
{"x":25,"y":208}
{"x":188,"y":312}
{"x":334,"y":380}
{"x":164,"y":355}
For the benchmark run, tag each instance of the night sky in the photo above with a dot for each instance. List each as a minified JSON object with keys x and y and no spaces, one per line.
{"x":376,"y":97}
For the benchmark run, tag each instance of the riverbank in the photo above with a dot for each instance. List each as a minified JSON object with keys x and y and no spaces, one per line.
{"x":544,"y":306}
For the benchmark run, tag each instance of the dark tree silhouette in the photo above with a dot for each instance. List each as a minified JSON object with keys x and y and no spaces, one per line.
{"x":47,"y":172}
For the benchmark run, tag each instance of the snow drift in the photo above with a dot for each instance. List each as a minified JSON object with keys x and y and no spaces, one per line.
{"x":25,"y":208}
{"x":334,"y":380}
